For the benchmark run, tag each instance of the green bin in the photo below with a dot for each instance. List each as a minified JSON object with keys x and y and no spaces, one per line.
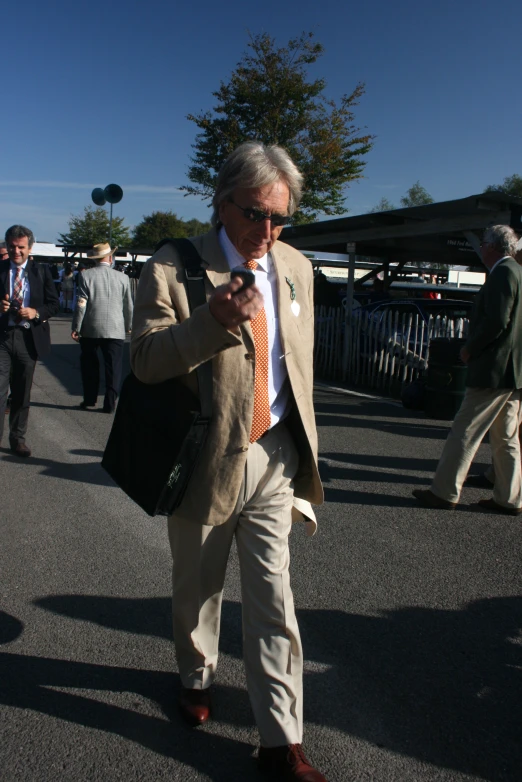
{"x":446,"y":379}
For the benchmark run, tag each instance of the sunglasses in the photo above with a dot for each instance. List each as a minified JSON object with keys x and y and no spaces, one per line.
{"x":257,"y":216}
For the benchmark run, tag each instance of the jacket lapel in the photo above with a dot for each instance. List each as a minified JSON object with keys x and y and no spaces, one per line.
{"x":284,"y":301}
{"x":4,"y":288}
{"x":4,"y":277}
{"x":218,"y":270}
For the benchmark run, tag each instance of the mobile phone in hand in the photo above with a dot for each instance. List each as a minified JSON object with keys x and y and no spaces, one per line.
{"x":247,"y":275}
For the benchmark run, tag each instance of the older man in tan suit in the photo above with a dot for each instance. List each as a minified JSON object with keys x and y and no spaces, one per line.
{"x":492,"y":402}
{"x":258,"y":470}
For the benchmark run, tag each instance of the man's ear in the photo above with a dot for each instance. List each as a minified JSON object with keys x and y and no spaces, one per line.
{"x":222,"y":212}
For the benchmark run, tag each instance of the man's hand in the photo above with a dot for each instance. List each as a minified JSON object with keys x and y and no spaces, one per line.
{"x":75,"y":336}
{"x":465,"y":355}
{"x":26,"y":313}
{"x":5,"y":303}
{"x":231,"y":308}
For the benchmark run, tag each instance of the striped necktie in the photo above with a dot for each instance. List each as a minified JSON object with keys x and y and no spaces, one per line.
{"x":17,"y":287}
{"x":261,"y":419}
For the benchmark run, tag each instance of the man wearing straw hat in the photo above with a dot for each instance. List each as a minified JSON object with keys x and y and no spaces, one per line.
{"x":102,"y":317}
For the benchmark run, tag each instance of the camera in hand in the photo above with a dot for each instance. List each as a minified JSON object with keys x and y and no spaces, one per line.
{"x":247,"y":275}
{"x":14,"y":306}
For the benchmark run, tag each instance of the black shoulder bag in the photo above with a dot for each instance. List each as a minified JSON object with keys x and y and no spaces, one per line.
{"x":159,"y":430}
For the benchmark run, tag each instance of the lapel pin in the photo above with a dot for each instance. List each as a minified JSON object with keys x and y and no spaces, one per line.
{"x":294,"y":304}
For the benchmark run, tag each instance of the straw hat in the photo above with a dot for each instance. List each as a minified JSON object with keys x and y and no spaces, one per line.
{"x":100,"y":251}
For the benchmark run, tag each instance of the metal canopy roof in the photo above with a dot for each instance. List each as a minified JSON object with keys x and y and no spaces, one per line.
{"x":435,"y":233}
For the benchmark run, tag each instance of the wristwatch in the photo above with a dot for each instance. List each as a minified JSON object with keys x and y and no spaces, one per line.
{"x":37,"y":316}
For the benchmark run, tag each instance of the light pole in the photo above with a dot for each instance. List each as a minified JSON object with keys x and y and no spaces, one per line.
{"x":111,"y":194}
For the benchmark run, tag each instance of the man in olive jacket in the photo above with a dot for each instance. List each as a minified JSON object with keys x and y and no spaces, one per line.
{"x":493,"y":354}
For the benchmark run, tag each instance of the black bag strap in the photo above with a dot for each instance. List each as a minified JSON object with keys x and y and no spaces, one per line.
{"x":195,"y":286}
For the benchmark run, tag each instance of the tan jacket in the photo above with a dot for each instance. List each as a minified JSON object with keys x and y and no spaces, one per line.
{"x":169,"y":342}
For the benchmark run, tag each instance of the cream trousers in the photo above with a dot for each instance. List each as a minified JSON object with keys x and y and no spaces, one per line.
{"x":261,"y":523}
{"x":483,"y":409}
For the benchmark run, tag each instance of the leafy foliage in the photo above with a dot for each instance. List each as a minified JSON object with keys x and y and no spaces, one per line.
{"x":269,"y":98}
{"x":92,"y":227}
{"x":512,"y":185}
{"x":384,"y":205}
{"x":164,"y":225}
{"x":417,"y":195}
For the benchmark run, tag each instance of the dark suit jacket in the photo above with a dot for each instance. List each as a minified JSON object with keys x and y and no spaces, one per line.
{"x":495,"y":330}
{"x":43,"y":297}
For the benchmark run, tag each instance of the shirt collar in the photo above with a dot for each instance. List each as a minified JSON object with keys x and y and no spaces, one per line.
{"x":235,"y":258}
{"x":14,"y":266}
{"x":499,"y":261}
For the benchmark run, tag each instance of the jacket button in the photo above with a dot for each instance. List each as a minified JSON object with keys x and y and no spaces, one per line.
{"x":244,"y":447}
{"x":249,"y":356}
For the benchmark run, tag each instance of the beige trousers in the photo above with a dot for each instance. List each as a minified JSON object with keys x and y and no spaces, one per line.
{"x":261,"y":523}
{"x":483,"y":409}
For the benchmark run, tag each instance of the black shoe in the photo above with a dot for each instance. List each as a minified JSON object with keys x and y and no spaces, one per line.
{"x":478,"y":482}
{"x":84,"y":406}
{"x":430,"y":500}
{"x":493,"y":507}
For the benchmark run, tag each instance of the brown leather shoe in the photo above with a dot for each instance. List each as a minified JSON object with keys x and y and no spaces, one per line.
{"x":493,"y":507}
{"x":194,"y":706}
{"x":21,"y":450}
{"x":430,"y":500}
{"x":288,"y":764}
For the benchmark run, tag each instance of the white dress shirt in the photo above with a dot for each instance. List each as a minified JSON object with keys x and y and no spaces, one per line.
{"x":26,"y":290}
{"x":266,"y":281}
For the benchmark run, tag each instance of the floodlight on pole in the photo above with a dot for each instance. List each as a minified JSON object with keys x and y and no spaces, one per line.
{"x":111,"y":194}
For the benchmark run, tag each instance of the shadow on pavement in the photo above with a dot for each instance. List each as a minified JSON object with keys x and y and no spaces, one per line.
{"x":10,"y":628}
{"x":405,"y":428}
{"x":91,"y":473}
{"x":441,"y":686}
{"x":330,"y":472}
{"x":28,"y":683}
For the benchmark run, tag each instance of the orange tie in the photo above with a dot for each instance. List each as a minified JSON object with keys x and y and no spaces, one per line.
{"x":261,"y":418}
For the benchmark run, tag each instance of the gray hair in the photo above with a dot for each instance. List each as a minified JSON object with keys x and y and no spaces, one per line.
{"x":19,"y":232}
{"x":254,"y":165}
{"x":502,"y":238}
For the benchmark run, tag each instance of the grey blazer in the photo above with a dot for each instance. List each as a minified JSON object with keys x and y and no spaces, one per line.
{"x":104,"y":304}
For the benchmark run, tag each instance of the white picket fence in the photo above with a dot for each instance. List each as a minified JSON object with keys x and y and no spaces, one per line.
{"x":382,"y":353}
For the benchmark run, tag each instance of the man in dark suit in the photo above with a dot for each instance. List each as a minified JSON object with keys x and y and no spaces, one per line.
{"x":28,"y":299}
{"x":493,"y":353}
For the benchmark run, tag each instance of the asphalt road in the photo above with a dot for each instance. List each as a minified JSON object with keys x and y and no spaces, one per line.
{"x":411,"y":619}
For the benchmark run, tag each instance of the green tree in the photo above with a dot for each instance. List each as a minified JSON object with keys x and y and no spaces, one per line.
{"x":270,"y":98}
{"x":92,"y":227}
{"x":164,"y":225}
{"x":157,"y":226}
{"x":196,"y":227}
{"x":384,"y":205}
{"x":417,"y":195}
{"x":512,"y":185}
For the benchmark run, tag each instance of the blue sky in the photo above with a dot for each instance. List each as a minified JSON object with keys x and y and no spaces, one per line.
{"x":98,"y":92}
